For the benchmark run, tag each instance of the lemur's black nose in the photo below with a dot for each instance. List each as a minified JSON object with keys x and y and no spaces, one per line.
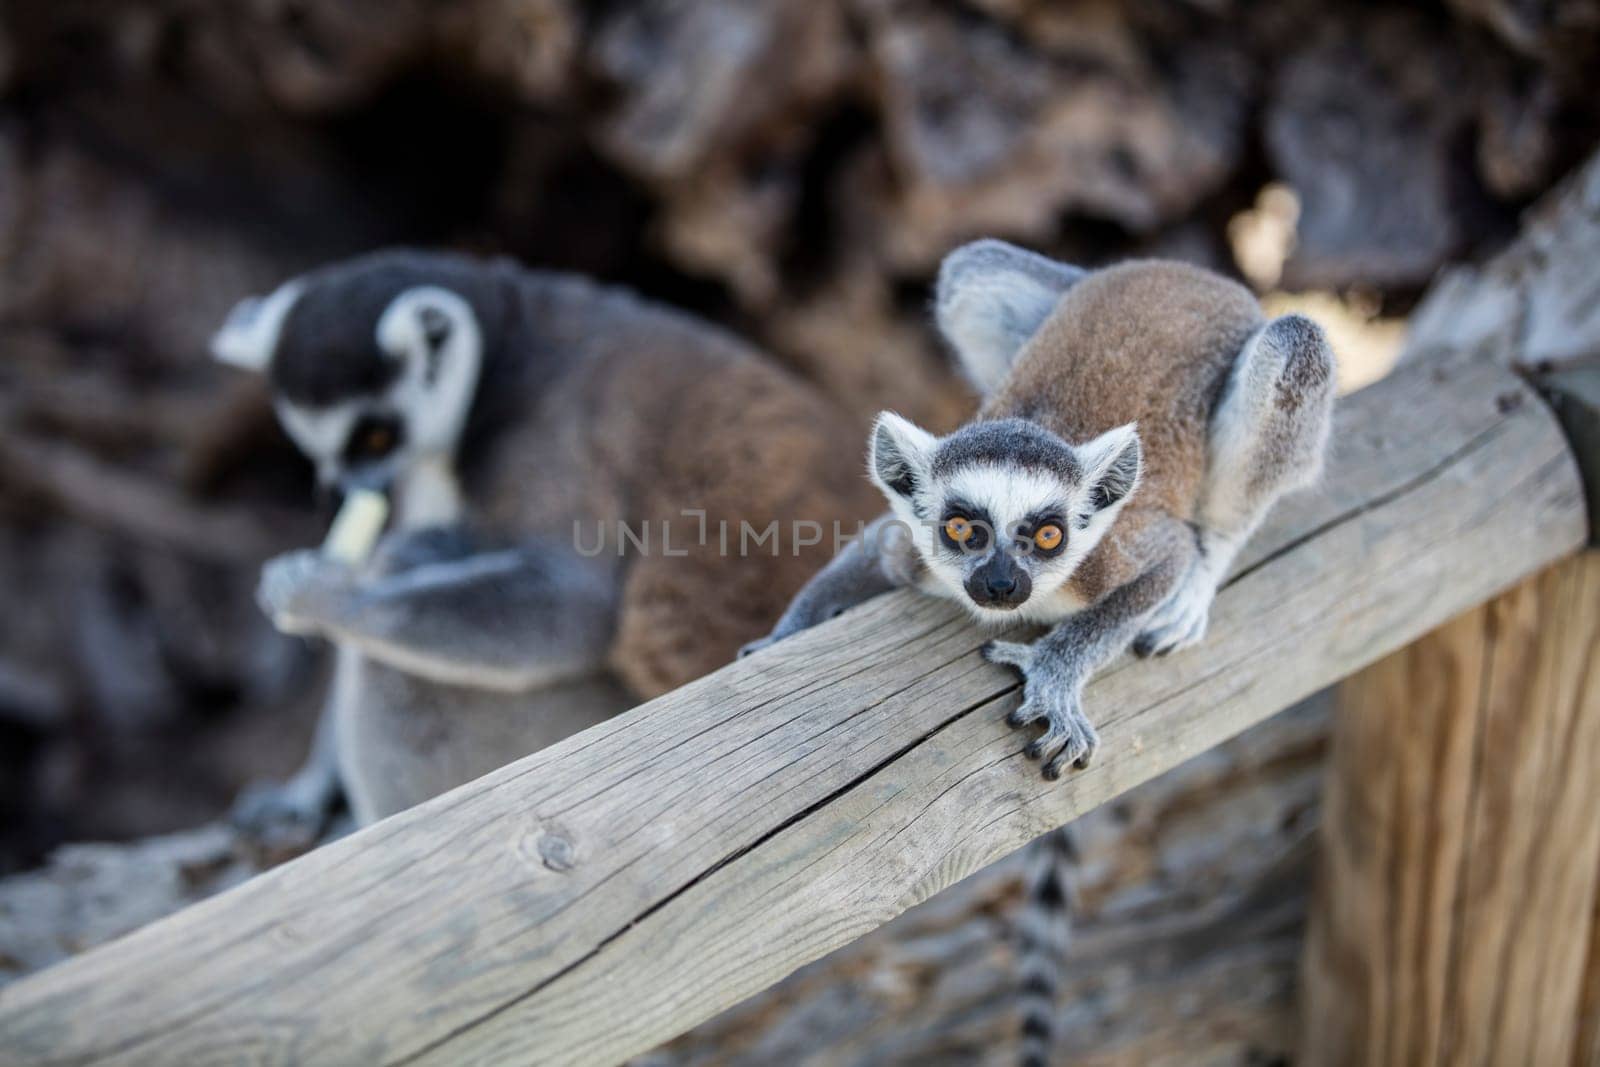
{"x":999,"y":583}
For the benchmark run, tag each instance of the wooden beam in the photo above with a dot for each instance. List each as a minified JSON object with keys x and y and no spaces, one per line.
{"x":1461,"y":850}
{"x":596,"y":898}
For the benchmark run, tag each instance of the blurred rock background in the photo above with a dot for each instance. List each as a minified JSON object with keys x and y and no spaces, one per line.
{"x":792,"y":168}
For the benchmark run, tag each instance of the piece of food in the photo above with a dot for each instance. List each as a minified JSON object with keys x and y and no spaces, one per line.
{"x":356,"y":528}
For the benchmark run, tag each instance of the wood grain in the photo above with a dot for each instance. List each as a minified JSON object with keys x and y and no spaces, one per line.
{"x":1587,"y":1053}
{"x":592,"y":900}
{"x":1461,"y":850}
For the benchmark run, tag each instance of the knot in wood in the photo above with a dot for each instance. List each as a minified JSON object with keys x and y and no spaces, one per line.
{"x":556,"y":852}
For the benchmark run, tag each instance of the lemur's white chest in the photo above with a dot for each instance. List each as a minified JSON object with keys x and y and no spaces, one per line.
{"x":429,"y":494}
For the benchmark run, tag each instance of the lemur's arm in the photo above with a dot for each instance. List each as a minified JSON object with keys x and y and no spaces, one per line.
{"x":881,"y":559}
{"x":1058,"y":665}
{"x":507,"y":620}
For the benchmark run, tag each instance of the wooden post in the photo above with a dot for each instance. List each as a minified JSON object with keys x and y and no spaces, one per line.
{"x":1462,"y":840}
{"x":1588,"y":1050}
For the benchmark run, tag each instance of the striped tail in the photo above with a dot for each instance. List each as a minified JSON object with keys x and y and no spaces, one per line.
{"x":1045,"y":928}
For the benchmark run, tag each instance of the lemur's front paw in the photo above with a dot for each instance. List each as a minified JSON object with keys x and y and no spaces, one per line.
{"x":295,"y":587}
{"x":1179,"y":622}
{"x":1052,"y":694}
{"x":792,"y":623}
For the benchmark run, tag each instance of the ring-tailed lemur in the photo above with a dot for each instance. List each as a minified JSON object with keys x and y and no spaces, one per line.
{"x":1139,"y":422}
{"x":509,"y":413}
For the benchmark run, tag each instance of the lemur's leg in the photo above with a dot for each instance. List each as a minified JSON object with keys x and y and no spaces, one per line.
{"x":509,"y":620}
{"x":881,"y":559}
{"x":294,"y":813}
{"x":1058,"y":665}
{"x":1267,"y":438}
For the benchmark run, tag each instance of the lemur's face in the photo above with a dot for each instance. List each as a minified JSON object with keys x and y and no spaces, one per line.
{"x":372,"y":370}
{"x":1003,"y":512}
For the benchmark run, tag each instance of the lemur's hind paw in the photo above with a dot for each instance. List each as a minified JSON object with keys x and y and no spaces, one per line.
{"x":1179,"y":622}
{"x":283,"y":816}
{"x":1052,"y":694}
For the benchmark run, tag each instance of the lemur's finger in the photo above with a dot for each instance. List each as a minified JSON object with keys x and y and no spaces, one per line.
{"x":755,"y":646}
{"x":1078,"y":750}
{"x":1092,"y":745}
{"x":1070,"y":753}
{"x":1163,"y":641}
{"x":1173,"y":642}
{"x":1047,"y":742}
{"x":1007,"y":653}
{"x":1026,"y":712}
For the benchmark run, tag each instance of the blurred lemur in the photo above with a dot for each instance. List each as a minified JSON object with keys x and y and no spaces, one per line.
{"x":508,"y":412}
{"x":1139,"y":422}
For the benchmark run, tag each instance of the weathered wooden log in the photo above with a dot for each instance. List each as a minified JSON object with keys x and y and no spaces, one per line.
{"x":596,"y":898}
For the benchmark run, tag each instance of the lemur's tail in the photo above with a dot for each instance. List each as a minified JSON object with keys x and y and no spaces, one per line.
{"x":1045,"y":928}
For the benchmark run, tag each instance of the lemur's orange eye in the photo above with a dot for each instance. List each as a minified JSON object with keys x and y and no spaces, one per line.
{"x":1047,"y":536}
{"x":958,"y":530}
{"x":377,"y":440}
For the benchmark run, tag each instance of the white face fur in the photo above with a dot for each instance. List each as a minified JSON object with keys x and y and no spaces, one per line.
{"x":402,"y":436}
{"x":1006,"y":563}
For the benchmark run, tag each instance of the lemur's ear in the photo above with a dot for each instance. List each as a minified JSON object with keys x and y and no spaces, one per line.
{"x":901,"y":454}
{"x":991,"y":297}
{"x":1112,"y":464}
{"x":418,"y":322}
{"x":250,"y":333}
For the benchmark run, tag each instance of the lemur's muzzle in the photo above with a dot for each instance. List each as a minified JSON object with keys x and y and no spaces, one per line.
{"x":999,"y":583}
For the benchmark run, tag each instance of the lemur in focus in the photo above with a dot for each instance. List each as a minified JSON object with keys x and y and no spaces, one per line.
{"x":507,"y":412}
{"x":1138,"y":423}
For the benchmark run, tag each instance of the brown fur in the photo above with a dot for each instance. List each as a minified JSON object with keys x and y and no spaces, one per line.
{"x":678,"y":416}
{"x":1148,"y":342}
